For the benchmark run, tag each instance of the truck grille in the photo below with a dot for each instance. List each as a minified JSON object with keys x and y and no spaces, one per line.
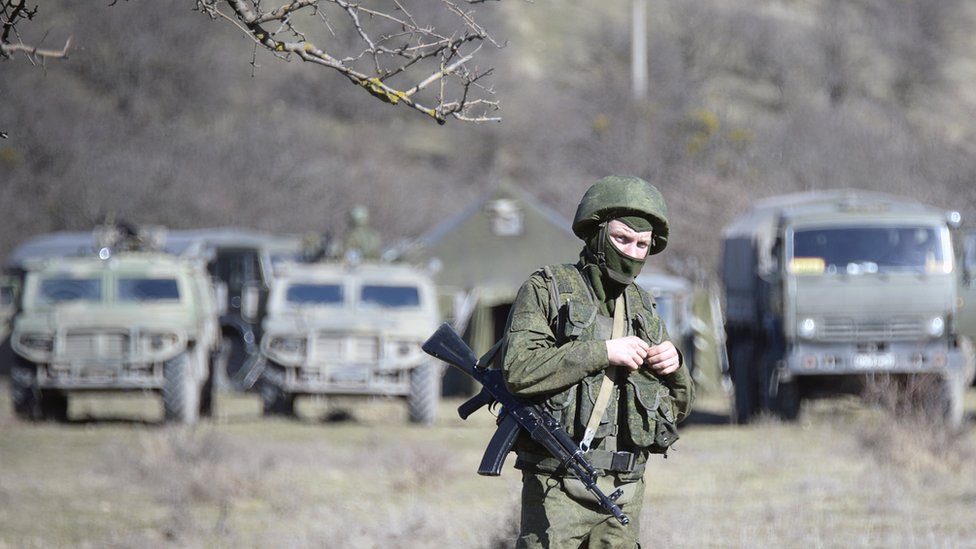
{"x":96,"y":345}
{"x":334,"y":348}
{"x":893,"y":329}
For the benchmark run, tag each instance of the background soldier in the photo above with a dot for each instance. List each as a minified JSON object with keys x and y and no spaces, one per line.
{"x":587,"y":342}
{"x":360,"y":237}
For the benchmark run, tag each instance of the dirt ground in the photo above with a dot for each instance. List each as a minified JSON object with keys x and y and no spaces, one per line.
{"x":356,"y":474}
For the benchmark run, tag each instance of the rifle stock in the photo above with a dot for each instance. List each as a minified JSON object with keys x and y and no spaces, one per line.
{"x":515,"y":416}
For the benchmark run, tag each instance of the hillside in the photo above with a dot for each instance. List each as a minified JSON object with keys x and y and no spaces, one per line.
{"x":159,"y":116}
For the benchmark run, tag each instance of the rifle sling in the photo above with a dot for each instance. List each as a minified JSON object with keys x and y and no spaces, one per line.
{"x":609,"y":378}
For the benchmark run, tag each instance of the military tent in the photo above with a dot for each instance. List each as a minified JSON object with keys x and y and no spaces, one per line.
{"x":485,"y":252}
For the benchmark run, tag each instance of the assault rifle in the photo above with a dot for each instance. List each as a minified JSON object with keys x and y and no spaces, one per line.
{"x":514,"y":416}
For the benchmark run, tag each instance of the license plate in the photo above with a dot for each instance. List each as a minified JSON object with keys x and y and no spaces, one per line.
{"x":874,"y":361}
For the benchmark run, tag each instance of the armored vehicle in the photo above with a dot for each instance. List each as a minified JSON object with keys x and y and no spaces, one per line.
{"x":8,"y":306}
{"x":828,"y":291}
{"x":127,"y":318}
{"x":341,"y":329}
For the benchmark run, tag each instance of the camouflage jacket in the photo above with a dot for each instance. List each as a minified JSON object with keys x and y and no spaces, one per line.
{"x":556,"y":354}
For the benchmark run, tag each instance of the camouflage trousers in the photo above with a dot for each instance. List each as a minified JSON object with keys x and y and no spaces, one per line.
{"x":553,"y":519}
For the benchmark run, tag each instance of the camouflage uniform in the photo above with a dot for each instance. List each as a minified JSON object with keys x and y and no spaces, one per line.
{"x":556,"y":354}
{"x":360,"y":237}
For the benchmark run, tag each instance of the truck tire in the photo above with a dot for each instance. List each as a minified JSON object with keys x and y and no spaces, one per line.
{"x":952,"y":393}
{"x":24,"y":394}
{"x":745,"y":383}
{"x":276,"y":401}
{"x":181,"y":392}
{"x":786,"y":403}
{"x":425,"y":392}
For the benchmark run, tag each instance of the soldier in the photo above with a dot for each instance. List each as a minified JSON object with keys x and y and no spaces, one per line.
{"x":587,"y":342}
{"x":360,"y":237}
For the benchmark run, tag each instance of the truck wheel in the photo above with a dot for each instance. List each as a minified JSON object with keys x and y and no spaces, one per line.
{"x":952,"y":392}
{"x":24,"y":394}
{"x":743,"y":370}
{"x":276,"y":401}
{"x":786,"y":405}
{"x":425,"y":392}
{"x":181,"y":392}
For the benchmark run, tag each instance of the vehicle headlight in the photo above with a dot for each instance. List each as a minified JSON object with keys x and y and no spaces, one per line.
{"x":935,"y":327}
{"x":37,"y":342}
{"x":806,"y":328}
{"x":160,"y":341}
{"x":292,"y":346}
{"x":400,"y":349}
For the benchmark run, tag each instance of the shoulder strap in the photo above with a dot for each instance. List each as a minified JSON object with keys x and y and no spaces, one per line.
{"x":609,"y":378}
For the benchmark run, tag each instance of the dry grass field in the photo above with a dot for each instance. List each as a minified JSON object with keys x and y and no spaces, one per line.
{"x":355,"y":474}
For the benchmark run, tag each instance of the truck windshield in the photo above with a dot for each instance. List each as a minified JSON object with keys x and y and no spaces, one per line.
{"x":866,"y":250}
{"x":314,"y":294}
{"x":59,"y":290}
{"x":390,"y":296}
{"x":148,"y":289}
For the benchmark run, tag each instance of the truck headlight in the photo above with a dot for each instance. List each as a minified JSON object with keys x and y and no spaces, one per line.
{"x":402,"y":349}
{"x":806,"y":328}
{"x":935,"y":327}
{"x":159,"y":341}
{"x":289,"y":346}
{"x":38,"y":342}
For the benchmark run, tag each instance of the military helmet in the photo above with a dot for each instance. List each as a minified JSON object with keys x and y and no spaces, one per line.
{"x":623,"y":195}
{"x":358,"y":215}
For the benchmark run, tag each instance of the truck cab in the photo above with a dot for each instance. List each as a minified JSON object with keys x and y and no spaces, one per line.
{"x":829,"y":291}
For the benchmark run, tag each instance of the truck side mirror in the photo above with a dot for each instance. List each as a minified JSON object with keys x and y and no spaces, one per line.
{"x":250,"y":296}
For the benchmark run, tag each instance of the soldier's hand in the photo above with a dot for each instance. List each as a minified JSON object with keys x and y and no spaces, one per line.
{"x":663,"y":358}
{"x":629,"y":352}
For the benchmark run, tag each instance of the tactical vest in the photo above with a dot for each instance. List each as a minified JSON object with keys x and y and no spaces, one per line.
{"x":642,"y":418}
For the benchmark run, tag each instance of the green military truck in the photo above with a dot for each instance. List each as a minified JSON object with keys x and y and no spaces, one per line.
{"x":124,"y":318}
{"x":335,"y":329}
{"x":829,"y":291}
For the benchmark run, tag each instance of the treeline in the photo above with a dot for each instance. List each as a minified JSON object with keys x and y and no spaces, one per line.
{"x":163,"y":116}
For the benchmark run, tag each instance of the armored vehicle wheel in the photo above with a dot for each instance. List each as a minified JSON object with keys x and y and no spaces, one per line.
{"x":181,"y":394}
{"x":425,"y":389}
{"x":276,"y":401}
{"x":24,"y":395}
{"x":207,"y":391}
{"x":54,"y":406}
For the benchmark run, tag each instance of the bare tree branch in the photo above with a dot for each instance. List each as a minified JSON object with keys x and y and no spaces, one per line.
{"x":13,"y":12}
{"x":387,"y":51}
